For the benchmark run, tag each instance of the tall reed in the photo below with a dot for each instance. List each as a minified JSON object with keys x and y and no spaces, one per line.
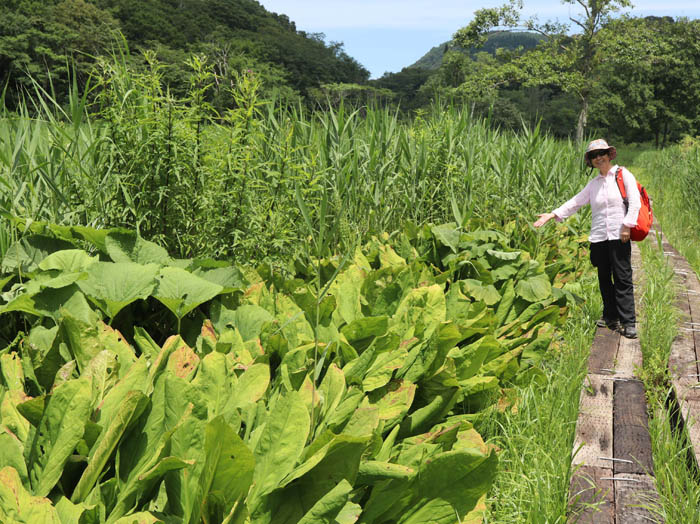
{"x":671,"y":177}
{"x":133,"y":154}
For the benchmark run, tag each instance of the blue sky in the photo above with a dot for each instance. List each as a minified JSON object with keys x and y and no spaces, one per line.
{"x":386,"y":35}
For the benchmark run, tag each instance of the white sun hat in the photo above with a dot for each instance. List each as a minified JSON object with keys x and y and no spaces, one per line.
{"x":599,"y":145}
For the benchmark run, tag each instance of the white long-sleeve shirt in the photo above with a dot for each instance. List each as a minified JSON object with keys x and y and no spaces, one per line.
{"x":607,"y":206}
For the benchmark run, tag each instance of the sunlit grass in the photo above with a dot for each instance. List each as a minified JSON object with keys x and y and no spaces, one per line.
{"x":676,"y":482}
{"x":536,"y":439}
{"x":672,"y":180}
{"x":228,"y":185}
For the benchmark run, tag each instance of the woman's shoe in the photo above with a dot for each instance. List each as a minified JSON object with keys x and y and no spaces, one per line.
{"x":628,"y":331}
{"x":610,"y":324}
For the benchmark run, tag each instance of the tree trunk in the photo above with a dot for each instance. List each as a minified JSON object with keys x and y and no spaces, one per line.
{"x":665,"y":133}
{"x":582,"y":119}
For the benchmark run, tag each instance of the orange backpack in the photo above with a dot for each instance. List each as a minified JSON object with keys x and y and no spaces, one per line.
{"x":646,"y":215}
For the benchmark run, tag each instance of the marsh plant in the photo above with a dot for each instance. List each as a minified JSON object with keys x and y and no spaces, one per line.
{"x":250,"y":184}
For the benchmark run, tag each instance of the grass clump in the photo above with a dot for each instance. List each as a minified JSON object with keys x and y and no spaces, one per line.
{"x":535,"y":435}
{"x":677,"y":481}
{"x":671,"y":177}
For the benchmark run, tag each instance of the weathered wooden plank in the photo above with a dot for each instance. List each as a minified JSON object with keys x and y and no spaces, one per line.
{"x":629,"y":357}
{"x":636,"y":259}
{"x":694,"y":322}
{"x":690,"y":410}
{"x":592,"y":499}
{"x":593,"y":441}
{"x":603,"y":351}
{"x":683,"y":360}
{"x":594,"y":427}
{"x":686,"y":388}
{"x":635,"y":499}
{"x":631,"y":439}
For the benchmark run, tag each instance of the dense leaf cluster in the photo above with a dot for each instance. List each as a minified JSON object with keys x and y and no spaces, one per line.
{"x":345,"y":392}
{"x":42,"y":40}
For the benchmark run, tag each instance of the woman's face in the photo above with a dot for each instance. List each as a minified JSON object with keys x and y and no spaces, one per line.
{"x":600,"y":158}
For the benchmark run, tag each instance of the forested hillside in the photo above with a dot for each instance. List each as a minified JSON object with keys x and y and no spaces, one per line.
{"x":44,"y":39}
{"x":496,"y":40}
{"x":643,"y":83}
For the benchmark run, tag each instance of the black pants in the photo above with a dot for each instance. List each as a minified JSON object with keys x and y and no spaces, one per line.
{"x":613,"y":259}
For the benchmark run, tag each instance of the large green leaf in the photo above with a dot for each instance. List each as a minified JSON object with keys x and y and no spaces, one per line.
{"x":69,"y":260}
{"x":136,"y":379}
{"x":166,"y":438}
{"x":506,"y":303}
{"x":11,"y":371}
{"x":249,"y":388}
{"x":181,"y":291}
{"x":45,"y":301}
{"x":125,"y":246}
{"x":140,"y":517}
{"x":213,"y":381}
{"x":535,"y":288}
{"x":86,"y":339}
{"x":230,"y":278}
{"x":26,"y":254}
{"x":477,"y":290}
{"x":17,"y":505}
{"x":248,"y":319}
{"x":61,"y":428}
{"x":42,"y":348}
{"x":227,"y":474}
{"x":280,"y":445}
{"x":346,"y":289}
{"x":447,"y":234}
{"x":365,"y":327}
{"x":11,"y":416}
{"x":113,"y":286}
{"x":383,"y":368}
{"x":70,"y":513}
{"x":130,"y":409}
{"x":445,"y":498}
{"x":393,"y":401}
{"x":421,"y":311}
{"x":11,"y":454}
{"x":329,"y":506}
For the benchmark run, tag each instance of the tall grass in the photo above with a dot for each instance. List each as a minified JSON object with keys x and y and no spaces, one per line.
{"x":671,"y":176}
{"x":536,"y":435}
{"x":132,"y":154}
{"x":676,"y":482}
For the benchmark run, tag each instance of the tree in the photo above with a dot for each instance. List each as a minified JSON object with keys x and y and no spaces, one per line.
{"x":39,"y":41}
{"x":568,"y":62}
{"x":649,"y":79}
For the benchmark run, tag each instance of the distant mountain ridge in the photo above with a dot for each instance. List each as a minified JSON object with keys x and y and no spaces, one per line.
{"x":501,"y":39}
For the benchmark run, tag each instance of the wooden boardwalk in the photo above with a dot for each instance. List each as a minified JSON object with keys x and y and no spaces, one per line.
{"x":613,"y":469}
{"x":685,"y":350}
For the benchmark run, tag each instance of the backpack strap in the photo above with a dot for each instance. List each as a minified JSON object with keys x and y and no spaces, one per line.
{"x":621,"y":187}
{"x":621,"y":184}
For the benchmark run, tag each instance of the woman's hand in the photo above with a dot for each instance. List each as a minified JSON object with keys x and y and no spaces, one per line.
{"x":625,"y":234}
{"x":543,"y":219}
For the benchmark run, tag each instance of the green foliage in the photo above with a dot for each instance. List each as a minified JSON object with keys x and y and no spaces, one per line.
{"x":648,"y":81}
{"x":405,"y":86}
{"x":269,"y":411}
{"x":232,"y":185}
{"x":671,"y":176}
{"x":565,"y":61}
{"x":39,"y":41}
{"x":495,"y":40}
{"x":354,"y":95}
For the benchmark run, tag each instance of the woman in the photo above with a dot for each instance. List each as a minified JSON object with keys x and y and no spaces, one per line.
{"x":610,"y":234}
